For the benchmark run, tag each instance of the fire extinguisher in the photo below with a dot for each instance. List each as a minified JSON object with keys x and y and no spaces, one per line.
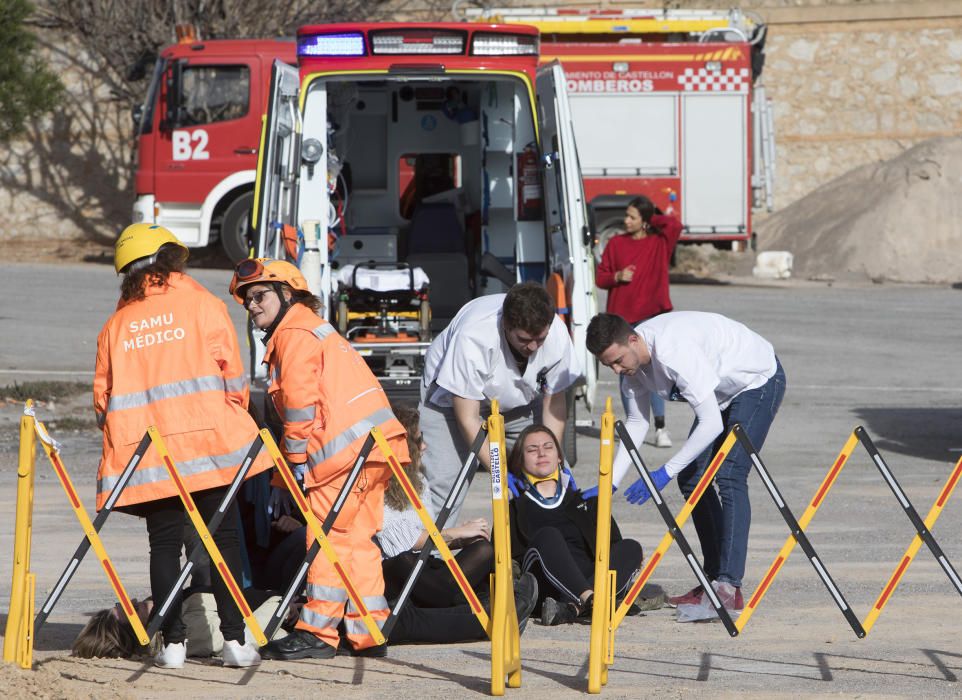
{"x":530,"y":190}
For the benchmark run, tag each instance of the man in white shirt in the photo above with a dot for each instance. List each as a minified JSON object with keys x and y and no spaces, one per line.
{"x":510,"y":347}
{"x":728,"y":374}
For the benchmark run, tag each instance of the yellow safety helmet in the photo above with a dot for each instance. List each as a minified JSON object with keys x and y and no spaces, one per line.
{"x":140,"y":241}
{"x":265,"y":271}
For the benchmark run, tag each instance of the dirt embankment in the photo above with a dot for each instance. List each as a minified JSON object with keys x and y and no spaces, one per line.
{"x":899,"y":220}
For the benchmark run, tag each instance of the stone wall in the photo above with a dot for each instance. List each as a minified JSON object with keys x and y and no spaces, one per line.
{"x":850,"y":93}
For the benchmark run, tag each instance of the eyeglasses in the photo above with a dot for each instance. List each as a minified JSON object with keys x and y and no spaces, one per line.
{"x":256,"y":298}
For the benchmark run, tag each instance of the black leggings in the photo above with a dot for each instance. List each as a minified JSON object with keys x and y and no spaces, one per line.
{"x":436,"y":588}
{"x":569,"y":571}
{"x":165,"y":532}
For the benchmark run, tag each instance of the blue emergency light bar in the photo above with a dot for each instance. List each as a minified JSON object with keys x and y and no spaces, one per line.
{"x":349,"y":44}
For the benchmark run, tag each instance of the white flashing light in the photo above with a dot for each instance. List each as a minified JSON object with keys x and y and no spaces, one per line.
{"x":351,"y":44}
{"x":417,"y":42}
{"x":714,"y":66}
{"x":487,"y":44}
{"x":620,"y":67}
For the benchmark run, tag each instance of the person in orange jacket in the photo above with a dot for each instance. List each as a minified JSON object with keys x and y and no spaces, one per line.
{"x":169,"y":357}
{"x":328,"y":400}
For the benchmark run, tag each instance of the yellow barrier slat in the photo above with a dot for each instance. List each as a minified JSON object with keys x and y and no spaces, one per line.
{"x":96,"y":544}
{"x":681,"y":518}
{"x":317,"y":532}
{"x":215,"y":556}
{"x":913,"y":548}
{"x":602,"y":630}
{"x":790,"y":542}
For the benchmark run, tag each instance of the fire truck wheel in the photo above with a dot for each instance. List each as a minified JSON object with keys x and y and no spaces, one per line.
{"x":235,"y":230}
{"x":570,"y":446}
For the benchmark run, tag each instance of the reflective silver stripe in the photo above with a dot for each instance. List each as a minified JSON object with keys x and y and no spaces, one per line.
{"x":309,"y":617}
{"x":371,"y":602}
{"x":187,"y":468}
{"x":357,"y":626}
{"x":137,"y":399}
{"x":329,"y":594}
{"x":299,"y":414}
{"x":358,"y":430}
{"x":323,"y":331}
{"x":101,"y":419}
{"x":296,"y":446}
{"x":236,"y":384}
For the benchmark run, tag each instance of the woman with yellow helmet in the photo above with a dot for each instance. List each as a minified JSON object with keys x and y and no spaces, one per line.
{"x":169,"y":357}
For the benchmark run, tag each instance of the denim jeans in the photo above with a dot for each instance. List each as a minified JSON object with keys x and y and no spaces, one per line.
{"x":724,"y":513}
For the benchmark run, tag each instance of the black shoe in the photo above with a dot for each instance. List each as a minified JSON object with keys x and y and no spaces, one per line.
{"x":525,"y":598}
{"x":556,"y":613}
{"x":587,"y":607}
{"x":299,"y":644}
{"x":375,"y":652}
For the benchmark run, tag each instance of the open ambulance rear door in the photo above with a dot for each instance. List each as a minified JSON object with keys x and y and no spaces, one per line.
{"x":569,"y":239}
{"x":277,"y":163}
{"x":275,"y":188}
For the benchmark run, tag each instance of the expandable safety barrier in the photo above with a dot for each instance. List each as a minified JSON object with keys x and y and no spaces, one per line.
{"x":607,"y":615}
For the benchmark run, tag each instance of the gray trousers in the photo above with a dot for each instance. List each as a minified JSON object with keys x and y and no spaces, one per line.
{"x":447,"y":450}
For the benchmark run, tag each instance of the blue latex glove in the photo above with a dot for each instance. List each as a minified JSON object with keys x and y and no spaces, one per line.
{"x":638,"y":493}
{"x":515,"y":485}
{"x":592,"y":492}
{"x":299,"y":471}
{"x":280,"y":502}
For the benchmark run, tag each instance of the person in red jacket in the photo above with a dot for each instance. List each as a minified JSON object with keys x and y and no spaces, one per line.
{"x":634,"y":270}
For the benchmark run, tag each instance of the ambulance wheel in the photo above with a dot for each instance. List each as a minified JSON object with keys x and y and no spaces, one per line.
{"x":424,"y":320}
{"x":235,"y":229}
{"x":342,"y":317}
{"x":570,"y":445}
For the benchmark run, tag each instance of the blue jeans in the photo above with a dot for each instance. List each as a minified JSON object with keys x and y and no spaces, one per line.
{"x":724,"y":513}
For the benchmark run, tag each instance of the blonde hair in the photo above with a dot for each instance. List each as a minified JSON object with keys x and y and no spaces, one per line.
{"x":106,"y":636}
{"x":395,"y":497}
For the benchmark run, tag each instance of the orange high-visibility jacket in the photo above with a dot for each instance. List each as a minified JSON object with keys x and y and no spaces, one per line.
{"x":325,"y":394}
{"x":172,"y":360}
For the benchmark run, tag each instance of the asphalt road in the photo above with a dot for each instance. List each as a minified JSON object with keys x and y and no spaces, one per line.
{"x":885,"y":357}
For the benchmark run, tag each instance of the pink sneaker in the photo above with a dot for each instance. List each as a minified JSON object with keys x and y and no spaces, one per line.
{"x":692,"y":597}
{"x":730,"y":597}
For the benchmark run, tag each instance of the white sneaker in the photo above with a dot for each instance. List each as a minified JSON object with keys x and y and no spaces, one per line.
{"x":171,"y":655}
{"x":662,"y":438}
{"x":237,"y":655}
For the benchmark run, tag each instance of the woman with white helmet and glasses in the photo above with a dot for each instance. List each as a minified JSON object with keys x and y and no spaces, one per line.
{"x":169,"y":357}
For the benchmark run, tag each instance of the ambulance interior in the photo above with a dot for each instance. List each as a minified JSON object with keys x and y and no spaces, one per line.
{"x":426,"y":174}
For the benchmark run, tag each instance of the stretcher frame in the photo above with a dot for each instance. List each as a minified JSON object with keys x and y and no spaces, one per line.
{"x":91,"y":534}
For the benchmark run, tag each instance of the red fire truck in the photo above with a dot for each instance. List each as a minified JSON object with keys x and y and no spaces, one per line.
{"x":197,"y":135}
{"x":666,"y":103}
{"x":440,"y":150}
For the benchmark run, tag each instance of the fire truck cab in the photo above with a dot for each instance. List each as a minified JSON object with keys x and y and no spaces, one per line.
{"x":197,"y":137}
{"x":666,"y":103}
{"x":440,"y":147}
